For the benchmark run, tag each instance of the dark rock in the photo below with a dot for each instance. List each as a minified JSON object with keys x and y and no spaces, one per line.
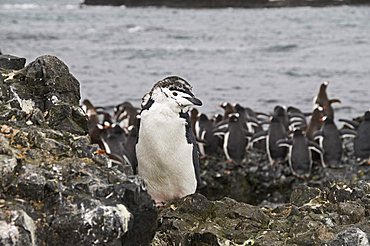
{"x":16,"y":226}
{"x":303,"y":194}
{"x":46,"y":85}
{"x":11,"y":62}
{"x":55,"y":188}
{"x":74,"y":200}
{"x":350,"y":237}
{"x":224,"y":3}
{"x":194,"y":220}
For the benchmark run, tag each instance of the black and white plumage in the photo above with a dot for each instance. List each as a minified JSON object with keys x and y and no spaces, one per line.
{"x":315,"y":122}
{"x":330,"y":141}
{"x":362,"y":140}
{"x":323,"y":100}
{"x":275,"y":132}
{"x":166,"y":149}
{"x":235,"y":138}
{"x":361,"y":143}
{"x":207,"y":141}
{"x":125,"y":115}
{"x":299,"y":153}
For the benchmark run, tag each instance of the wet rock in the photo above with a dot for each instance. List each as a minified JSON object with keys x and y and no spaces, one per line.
{"x":194,"y":220}
{"x":303,"y":194}
{"x":350,"y":237}
{"x":55,"y":187}
{"x":16,"y":226}
{"x":11,"y":62}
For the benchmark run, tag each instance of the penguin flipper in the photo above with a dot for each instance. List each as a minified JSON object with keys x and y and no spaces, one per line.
{"x":220,"y":131}
{"x":315,"y":147}
{"x":350,"y":123}
{"x":257,"y":137}
{"x":284,"y":142}
{"x":347,"y":133}
{"x":317,"y":135}
{"x":335,"y":100}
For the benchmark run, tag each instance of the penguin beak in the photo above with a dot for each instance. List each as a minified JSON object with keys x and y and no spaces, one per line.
{"x":194,"y":101}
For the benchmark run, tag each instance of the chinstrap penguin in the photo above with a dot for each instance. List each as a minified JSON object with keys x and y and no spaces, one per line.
{"x":166,"y":150}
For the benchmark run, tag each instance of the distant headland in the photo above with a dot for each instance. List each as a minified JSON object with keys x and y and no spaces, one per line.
{"x":226,"y":3}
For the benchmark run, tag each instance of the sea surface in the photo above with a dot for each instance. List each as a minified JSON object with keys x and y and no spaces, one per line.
{"x":256,"y":57}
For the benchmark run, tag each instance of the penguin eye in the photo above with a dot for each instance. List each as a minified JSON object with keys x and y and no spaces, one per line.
{"x":174,"y":93}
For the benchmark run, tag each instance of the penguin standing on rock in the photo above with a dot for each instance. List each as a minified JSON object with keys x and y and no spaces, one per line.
{"x":275,"y":132}
{"x":330,"y":141}
{"x":299,"y":153}
{"x":236,"y":140}
{"x":362,"y":139}
{"x":166,"y":150}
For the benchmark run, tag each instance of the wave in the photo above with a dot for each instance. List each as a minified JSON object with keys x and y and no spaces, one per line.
{"x":20,"y":6}
{"x":31,"y":6}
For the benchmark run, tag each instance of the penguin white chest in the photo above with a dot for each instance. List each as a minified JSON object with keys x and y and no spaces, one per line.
{"x":165,"y":158}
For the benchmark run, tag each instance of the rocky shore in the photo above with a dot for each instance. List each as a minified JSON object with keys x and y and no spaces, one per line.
{"x":58,"y":189}
{"x":226,"y":3}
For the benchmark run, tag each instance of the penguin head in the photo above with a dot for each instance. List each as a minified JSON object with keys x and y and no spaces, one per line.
{"x":203,"y":117}
{"x":280,"y":111}
{"x":234,"y":117}
{"x":174,"y":92}
{"x":367,"y":115}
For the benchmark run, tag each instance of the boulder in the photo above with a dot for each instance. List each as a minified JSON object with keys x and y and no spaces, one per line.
{"x":11,"y":62}
{"x":55,"y":187}
{"x":313,"y":220}
{"x":46,"y":85}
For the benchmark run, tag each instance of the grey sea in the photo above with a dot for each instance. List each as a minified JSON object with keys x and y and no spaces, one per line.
{"x":256,"y":57}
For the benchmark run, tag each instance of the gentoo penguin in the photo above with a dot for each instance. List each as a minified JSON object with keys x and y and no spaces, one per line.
{"x":166,"y":150}
{"x":322,"y":100}
{"x":228,"y":109}
{"x":207,"y":141}
{"x":330,"y":141}
{"x":125,"y":114}
{"x":299,"y":153}
{"x":276,"y":131}
{"x":248,"y":122}
{"x":362,"y":140}
{"x":315,"y":122}
{"x":235,"y":140}
{"x":114,"y":141}
{"x":297,"y":119}
{"x":93,"y":122}
{"x":281,"y":113}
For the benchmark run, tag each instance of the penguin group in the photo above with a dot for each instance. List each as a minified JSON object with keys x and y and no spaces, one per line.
{"x":115,"y":132}
{"x":287,"y":135}
{"x":164,"y":139}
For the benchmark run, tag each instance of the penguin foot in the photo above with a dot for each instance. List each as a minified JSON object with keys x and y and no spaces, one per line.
{"x":100,"y":152}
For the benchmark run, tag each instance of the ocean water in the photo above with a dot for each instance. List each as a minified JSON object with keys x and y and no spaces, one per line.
{"x":256,"y":57}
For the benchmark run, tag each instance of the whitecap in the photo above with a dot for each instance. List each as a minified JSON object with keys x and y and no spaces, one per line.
{"x":20,"y":6}
{"x":135,"y":29}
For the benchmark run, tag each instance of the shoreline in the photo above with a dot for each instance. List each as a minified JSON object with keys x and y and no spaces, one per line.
{"x":200,"y":4}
